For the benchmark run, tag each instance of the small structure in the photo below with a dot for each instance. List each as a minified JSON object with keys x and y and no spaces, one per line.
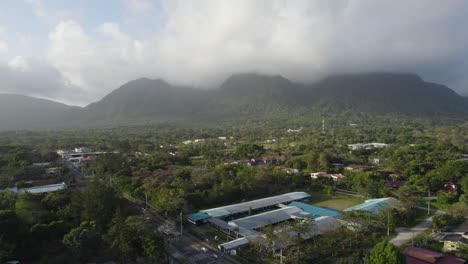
{"x":259,"y":161}
{"x":356,"y":168}
{"x":42,"y":164}
{"x":291,"y":171}
{"x":198,"y":218}
{"x":417,"y":255}
{"x":83,"y":150}
{"x":54,"y":170}
{"x":395,"y":185}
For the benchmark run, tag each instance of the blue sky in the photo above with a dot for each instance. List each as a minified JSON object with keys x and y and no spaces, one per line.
{"x":32,"y":20}
{"x":78,"y":51}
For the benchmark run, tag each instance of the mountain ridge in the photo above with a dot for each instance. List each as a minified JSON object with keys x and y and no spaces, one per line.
{"x":241,"y":96}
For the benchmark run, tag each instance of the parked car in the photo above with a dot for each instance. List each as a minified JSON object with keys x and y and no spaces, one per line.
{"x":204,"y":249}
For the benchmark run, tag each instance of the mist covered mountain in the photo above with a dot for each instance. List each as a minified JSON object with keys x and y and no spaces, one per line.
{"x":145,"y":99}
{"x":398,"y":93}
{"x":241,"y":96}
{"x":24,"y":112}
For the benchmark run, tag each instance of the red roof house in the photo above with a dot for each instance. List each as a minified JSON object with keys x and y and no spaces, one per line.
{"x":417,"y":255}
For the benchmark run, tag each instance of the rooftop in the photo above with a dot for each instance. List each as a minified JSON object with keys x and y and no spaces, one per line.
{"x":416,"y":255}
{"x":452,"y":237}
{"x":375,"y":205}
{"x":461,"y":228}
{"x":315,"y":211}
{"x":255,"y":204}
{"x":198,"y":216}
{"x":264,"y":219}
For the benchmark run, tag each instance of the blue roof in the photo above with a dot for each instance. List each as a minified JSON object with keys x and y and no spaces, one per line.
{"x":315,"y":211}
{"x":375,"y":205}
{"x":198,"y":216}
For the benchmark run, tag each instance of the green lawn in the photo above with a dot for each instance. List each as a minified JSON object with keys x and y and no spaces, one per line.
{"x":336,"y":201}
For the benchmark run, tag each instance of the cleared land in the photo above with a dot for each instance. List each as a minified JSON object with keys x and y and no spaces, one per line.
{"x":335,"y":201}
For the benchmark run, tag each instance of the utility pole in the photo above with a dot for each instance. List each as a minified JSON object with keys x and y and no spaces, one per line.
{"x":388,"y":224}
{"x":281,"y":255}
{"x":146,"y":200}
{"x":428,"y":201}
{"x":323,"y":125}
{"x":181,"y":226}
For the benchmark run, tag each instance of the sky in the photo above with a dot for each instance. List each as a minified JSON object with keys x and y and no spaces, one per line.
{"x":76,"y":52}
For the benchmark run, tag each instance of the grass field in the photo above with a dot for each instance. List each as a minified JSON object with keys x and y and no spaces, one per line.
{"x":336,"y":201}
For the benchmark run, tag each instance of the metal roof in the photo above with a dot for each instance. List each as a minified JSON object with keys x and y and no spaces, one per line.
{"x":234,"y":243}
{"x":264,"y":219}
{"x":255,"y":204}
{"x":45,"y":188}
{"x":198,"y":216}
{"x":315,"y":211}
{"x":375,"y":205}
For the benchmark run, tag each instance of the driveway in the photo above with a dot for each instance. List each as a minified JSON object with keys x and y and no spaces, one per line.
{"x":406,"y":234}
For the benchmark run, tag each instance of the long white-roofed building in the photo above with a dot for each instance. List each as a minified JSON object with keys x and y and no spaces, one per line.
{"x":230,"y":212}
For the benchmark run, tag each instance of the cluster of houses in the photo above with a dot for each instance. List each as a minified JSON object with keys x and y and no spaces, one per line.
{"x":79,"y":156}
{"x":417,"y":255}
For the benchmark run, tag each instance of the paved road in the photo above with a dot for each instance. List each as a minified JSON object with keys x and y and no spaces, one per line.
{"x":187,"y":247}
{"x":404,"y":235}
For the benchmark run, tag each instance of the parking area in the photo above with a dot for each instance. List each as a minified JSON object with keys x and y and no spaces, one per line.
{"x":193,"y":253}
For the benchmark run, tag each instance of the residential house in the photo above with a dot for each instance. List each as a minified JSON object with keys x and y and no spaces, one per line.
{"x":291,"y":171}
{"x":54,"y":170}
{"x":259,"y":161}
{"x":83,"y":150}
{"x":450,"y":187}
{"x":377,"y":160}
{"x":417,"y":255}
{"x":454,"y":242}
{"x":454,"y":239}
{"x":356,"y":168}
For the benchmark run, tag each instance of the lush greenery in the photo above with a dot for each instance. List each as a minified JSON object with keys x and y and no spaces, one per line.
{"x":96,"y":223}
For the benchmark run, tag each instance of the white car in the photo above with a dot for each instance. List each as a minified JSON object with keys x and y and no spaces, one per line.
{"x":204,"y":249}
{"x":214,"y":256}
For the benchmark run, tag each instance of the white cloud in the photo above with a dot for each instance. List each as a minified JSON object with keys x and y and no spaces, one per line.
{"x":3,"y":46}
{"x":97,"y":67}
{"x":35,"y":77}
{"x":19,"y":63}
{"x":52,"y":16}
{"x":139,"y":6}
{"x":201,"y":42}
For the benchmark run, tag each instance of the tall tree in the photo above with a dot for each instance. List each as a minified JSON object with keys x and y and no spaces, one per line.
{"x":385,"y":253}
